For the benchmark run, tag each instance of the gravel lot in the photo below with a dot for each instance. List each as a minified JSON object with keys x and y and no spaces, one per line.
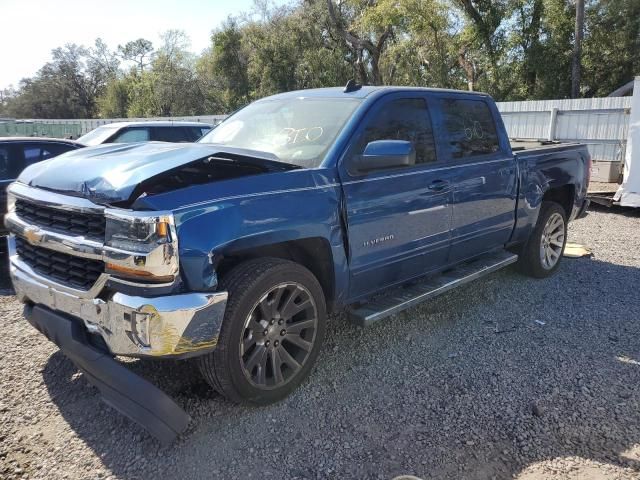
{"x":507,"y":377}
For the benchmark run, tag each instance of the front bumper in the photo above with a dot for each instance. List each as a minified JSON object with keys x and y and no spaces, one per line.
{"x":125,"y":391}
{"x":175,"y":326}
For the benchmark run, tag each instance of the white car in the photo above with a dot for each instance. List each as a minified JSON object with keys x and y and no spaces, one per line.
{"x":128,"y":132}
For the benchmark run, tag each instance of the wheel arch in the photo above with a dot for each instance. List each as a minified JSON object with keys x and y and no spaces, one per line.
{"x":564,"y":195}
{"x":314,"y":253}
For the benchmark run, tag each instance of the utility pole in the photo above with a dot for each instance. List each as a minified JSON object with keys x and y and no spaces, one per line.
{"x":576,"y":65}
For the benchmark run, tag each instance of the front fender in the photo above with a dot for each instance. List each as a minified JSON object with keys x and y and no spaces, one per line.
{"x":307,"y":209}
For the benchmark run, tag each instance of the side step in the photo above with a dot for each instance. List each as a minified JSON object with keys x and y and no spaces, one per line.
{"x":402,"y":298}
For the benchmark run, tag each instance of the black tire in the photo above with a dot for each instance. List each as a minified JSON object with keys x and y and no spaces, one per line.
{"x":531,"y":261}
{"x":226,"y":369}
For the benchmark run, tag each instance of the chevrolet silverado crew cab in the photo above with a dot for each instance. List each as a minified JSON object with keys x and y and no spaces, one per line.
{"x":234,"y":249}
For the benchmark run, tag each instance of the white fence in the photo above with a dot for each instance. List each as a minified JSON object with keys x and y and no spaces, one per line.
{"x":601,"y":123}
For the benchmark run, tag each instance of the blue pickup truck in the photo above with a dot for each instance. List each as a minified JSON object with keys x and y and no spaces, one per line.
{"x":233,"y":250}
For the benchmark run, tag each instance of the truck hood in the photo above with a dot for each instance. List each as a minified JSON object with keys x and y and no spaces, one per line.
{"x":108,"y":174}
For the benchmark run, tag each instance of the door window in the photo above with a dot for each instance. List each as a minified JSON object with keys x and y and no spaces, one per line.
{"x":32,"y":154}
{"x":5,"y":169}
{"x":55,"y":149}
{"x":403,"y":119}
{"x":132,"y":135}
{"x":170,"y":134}
{"x":38,"y":152}
{"x":469,"y":127}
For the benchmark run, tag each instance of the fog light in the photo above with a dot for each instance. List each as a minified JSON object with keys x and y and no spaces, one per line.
{"x":141,"y":326}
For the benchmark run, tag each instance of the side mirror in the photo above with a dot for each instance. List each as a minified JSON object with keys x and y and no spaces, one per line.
{"x":384,"y":154}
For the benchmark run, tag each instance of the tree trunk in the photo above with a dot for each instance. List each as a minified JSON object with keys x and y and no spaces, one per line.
{"x":577,"y":50}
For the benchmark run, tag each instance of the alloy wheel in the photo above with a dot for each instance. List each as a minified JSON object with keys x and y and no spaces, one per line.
{"x":552,"y":241}
{"x":278,"y":335}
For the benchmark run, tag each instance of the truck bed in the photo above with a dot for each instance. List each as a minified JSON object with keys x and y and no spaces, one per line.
{"x":521,"y":145}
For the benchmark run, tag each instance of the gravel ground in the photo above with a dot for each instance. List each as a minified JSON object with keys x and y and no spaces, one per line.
{"x":507,"y":377}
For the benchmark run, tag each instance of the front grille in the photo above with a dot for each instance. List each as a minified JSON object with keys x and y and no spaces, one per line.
{"x":69,"y":270}
{"x":89,"y":225}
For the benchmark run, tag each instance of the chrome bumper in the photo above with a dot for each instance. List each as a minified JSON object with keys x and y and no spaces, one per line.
{"x":169,"y":326}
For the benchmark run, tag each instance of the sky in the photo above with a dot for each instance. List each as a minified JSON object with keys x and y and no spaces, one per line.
{"x":30,"y":29}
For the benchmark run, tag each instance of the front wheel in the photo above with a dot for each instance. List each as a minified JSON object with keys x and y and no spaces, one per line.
{"x":542,"y":254}
{"x":271,"y":334}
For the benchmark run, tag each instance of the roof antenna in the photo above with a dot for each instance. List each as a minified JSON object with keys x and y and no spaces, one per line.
{"x":352,"y":86}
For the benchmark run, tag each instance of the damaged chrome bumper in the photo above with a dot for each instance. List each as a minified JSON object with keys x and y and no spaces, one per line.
{"x":173,"y":326}
{"x":119,"y":387}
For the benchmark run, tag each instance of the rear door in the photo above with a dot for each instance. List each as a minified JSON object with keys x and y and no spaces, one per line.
{"x":483,"y":175}
{"x":398,"y":220}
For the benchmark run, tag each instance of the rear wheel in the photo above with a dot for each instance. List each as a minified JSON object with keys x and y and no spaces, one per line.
{"x":271,"y":334}
{"x":542,"y":254}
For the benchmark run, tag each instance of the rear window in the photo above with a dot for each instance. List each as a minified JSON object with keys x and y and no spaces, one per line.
{"x":470,"y":128}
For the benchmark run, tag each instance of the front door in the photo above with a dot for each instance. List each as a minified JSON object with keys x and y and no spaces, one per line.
{"x":398,"y":220}
{"x":483,"y":176}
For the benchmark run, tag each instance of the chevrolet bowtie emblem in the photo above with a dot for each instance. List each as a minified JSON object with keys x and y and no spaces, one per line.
{"x":32,"y":234}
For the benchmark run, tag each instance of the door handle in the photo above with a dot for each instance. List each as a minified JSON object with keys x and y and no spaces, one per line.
{"x":438,"y":185}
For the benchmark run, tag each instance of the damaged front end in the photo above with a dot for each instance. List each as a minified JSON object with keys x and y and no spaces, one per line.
{"x":101,"y":282}
{"x":98,"y":266}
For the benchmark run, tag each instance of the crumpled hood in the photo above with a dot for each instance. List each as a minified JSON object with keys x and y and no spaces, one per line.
{"x":110,"y":173}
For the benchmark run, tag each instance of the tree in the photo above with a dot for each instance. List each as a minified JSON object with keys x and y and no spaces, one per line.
{"x":611,"y":53}
{"x":482,"y":46}
{"x":577,"y":50}
{"x":367,"y":27}
{"x":139,"y":51}
{"x":223,"y":69}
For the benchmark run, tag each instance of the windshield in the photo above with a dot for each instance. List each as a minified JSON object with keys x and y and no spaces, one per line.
{"x":296,"y":130}
{"x":97,"y":135}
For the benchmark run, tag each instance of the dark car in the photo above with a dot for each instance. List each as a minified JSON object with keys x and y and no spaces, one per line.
{"x":17,"y":153}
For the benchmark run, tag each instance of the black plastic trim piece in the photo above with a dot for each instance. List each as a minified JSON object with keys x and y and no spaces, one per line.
{"x":130,"y":394}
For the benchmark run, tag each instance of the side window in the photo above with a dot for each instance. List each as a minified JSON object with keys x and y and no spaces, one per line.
{"x":53,"y":150}
{"x":470,"y":127}
{"x":32,"y":154}
{"x":170,"y":134}
{"x":132,"y":135}
{"x":5,"y":168}
{"x":403,"y":119}
{"x":194,"y":133}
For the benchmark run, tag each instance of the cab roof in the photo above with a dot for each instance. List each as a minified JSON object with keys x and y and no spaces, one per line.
{"x":156,"y":123}
{"x":40,"y":140}
{"x":364,"y":91}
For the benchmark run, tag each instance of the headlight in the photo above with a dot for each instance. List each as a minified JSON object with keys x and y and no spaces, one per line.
{"x":140,"y":234}
{"x":150,"y":242}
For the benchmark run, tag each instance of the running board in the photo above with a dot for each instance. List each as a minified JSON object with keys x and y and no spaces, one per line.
{"x":406,"y":297}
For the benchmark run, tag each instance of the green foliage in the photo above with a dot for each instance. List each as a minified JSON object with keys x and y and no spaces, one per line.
{"x":512,"y":49}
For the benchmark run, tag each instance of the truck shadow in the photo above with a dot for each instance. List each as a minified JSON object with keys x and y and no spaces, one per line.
{"x":481,"y":382}
{"x":5,"y":283}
